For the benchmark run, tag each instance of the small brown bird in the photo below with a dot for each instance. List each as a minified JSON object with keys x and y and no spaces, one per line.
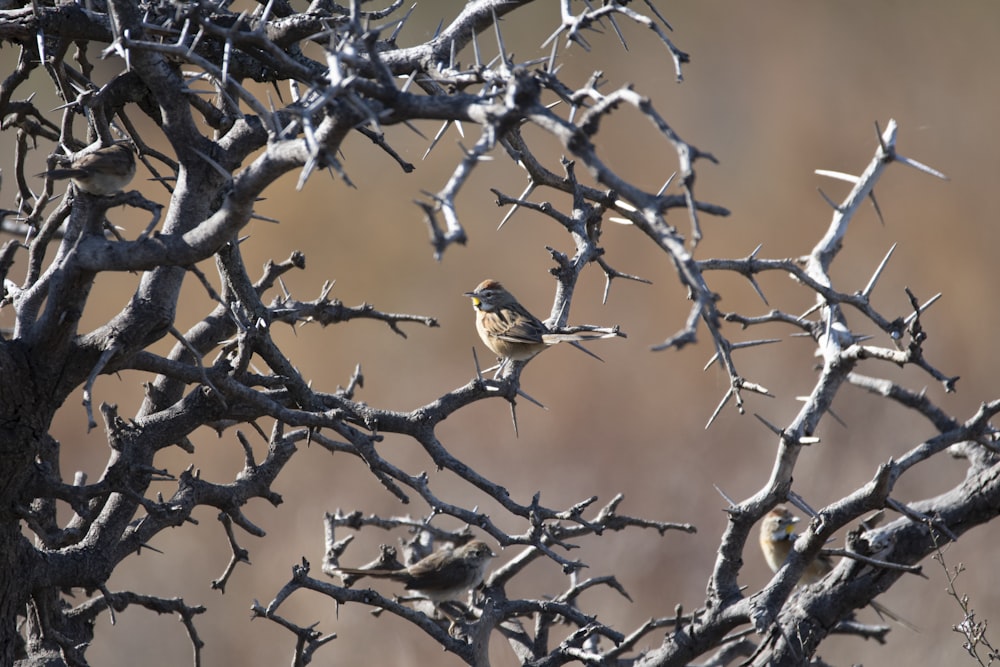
{"x":104,"y":171}
{"x":441,"y":576}
{"x":511,"y":332}
{"x":777,"y":534}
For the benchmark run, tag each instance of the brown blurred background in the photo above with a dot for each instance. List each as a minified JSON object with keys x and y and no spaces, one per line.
{"x":774,"y":90}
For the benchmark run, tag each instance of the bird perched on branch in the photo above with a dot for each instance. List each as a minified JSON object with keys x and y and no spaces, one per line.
{"x":514,"y":334}
{"x":104,"y":171}
{"x":441,"y":576}
{"x":777,"y":534}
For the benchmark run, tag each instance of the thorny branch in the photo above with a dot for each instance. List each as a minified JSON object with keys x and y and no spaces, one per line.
{"x":188,"y":65}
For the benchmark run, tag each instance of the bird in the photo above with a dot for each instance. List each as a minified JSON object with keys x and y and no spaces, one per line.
{"x":441,"y":576}
{"x":777,"y":534}
{"x":513,"y":333}
{"x":104,"y":171}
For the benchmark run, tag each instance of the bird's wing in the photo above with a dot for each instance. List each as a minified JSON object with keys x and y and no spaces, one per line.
{"x":525,"y":330}
{"x":428,"y":573}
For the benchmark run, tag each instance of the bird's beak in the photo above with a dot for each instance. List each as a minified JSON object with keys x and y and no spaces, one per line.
{"x":475,"y":298}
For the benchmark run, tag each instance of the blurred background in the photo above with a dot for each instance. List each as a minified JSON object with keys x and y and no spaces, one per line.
{"x":774,"y":90}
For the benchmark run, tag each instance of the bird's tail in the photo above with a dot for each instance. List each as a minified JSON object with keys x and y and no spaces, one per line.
{"x":576,"y":338}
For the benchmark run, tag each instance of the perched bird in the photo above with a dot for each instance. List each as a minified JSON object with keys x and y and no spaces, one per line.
{"x":511,"y":332}
{"x":104,"y":171}
{"x":441,"y":576}
{"x":777,"y":534}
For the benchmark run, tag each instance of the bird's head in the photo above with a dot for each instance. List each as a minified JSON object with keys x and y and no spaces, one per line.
{"x":779,"y":524}
{"x":489,"y":295}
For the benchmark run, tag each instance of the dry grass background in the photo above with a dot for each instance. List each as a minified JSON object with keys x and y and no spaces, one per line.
{"x":774,"y":90}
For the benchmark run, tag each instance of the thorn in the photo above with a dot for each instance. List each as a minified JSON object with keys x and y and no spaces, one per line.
{"x":399,"y":26}
{"x":409,"y":81}
{"x":836,"y":418}
{"x":839,"y":175}
{"x":866,"y":292}
{"x":878,"y":209}
{"x":437,"y":138}
{"x":829,"y":201}
{"x":667,"y":184}
{"x":527,"y":191}
{"x":711,"y":360}
{"x":475,"y":50}
{"x":919,"y":166}
{"x":529,"y":398}
{"x":755,"y":343}
{"x":718,"y":409}
{"x":771,"y":427}
{"x":496,"y":28}
{"x":800,"y":502}
{"x":756,"y":288}
{"x":881,"y":141}
{"x":928,"y":304}
{"x":809,"y":312}
{"x":551,"y":65}
{"x":732,"y":503}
